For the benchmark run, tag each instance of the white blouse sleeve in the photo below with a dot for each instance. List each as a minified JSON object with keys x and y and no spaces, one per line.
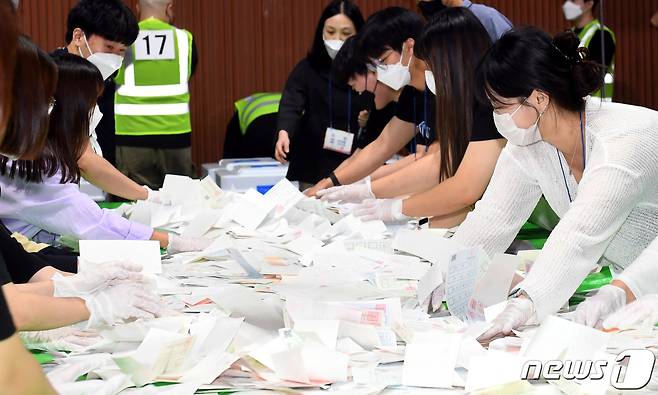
{"x":507,"y":203}
{"x":642,"y":275}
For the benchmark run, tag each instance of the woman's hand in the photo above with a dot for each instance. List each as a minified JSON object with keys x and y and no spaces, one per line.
{"x":282,"y":147}
{"x":363,"y":118}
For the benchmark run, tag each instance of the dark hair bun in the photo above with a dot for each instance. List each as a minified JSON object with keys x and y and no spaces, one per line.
{"x":587,"y":75}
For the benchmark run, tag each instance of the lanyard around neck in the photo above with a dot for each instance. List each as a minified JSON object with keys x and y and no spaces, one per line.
{"x":582,"y":139}
{"x":331,"y":107}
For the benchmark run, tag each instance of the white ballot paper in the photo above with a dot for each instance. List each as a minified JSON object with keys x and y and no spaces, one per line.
{"x":182,"y":189}
{"x":426,"y":244}
{"x":430,"y":359}
{"x":202,"y":223}
{"x":495,"y":368}
{"x":142,"y":252}
{"x":429,"y":282}
{"x":493,"y":287}
{"x":463,"y":271}
{"x":557,"y":338}
{"x":282,"y":197}
{"x":161,"y":353}
{"x":250,"y":209}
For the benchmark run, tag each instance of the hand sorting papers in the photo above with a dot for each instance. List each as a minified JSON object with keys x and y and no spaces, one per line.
{"x":293,"y":295}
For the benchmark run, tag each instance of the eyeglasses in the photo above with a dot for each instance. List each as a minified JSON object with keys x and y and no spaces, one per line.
{"x":51,"y":105}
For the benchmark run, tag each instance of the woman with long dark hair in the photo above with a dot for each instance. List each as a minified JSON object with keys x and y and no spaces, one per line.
{"x":19,"y":372}
{"x":452,"y":44}
{"x":318,"y":118}
{"x":52,"y":175}
{"x":594,"y":162}
{"x":83,"y":296}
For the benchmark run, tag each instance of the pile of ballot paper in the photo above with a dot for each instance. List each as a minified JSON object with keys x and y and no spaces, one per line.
{"x":297,"y":296}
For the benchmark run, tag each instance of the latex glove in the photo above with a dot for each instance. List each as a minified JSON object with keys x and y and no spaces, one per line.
{"x":96,"y":278}
{"x":179,"y":244}
{"x":597,"y":308}
{"x":158,"y":197}
{"x":60,"y":339}
{"x":641,"y":312}
{"x":121,"y":303}
{"x":517,"y":312}
{"x":387,"y":210}
{"x":354,"y":193}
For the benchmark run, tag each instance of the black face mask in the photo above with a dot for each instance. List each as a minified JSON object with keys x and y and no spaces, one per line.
{"x":430,"y":8}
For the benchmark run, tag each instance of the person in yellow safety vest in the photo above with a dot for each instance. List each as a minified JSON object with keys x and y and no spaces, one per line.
{"x":252,"y":131}
{"x":581,"y":15}
{"x":152,"y":113}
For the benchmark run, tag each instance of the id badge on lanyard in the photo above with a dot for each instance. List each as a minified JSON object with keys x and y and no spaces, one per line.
{"x":335,"y":139}
{"x":338,"y":141}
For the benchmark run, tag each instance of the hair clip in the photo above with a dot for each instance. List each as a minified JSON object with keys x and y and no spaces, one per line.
{"x":582,"y":54}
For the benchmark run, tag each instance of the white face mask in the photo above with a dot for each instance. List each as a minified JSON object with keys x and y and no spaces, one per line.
{"x":571,"y":10}
{"x":333,"y":46}
{"x":429,"y":81}
{"x":107,"y":63}
{"x":514,"y":134}
{"x":396,"y":76}
{"x":96,"y":116}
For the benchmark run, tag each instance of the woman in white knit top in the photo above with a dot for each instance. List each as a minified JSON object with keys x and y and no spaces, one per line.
{"x":596,"y":164}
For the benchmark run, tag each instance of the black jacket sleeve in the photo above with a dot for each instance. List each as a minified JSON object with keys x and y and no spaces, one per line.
{"x":22,"y":265}
{"x":294,"y":99}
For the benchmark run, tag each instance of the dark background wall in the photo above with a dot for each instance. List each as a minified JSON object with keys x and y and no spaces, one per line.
{"x":247,"y":46}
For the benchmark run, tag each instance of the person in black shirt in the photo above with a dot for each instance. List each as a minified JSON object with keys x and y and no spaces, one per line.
{"x":445,"y":184}
{"x":317,"y":117}
{"x":101,"y":31}
{"x":385,"y":47}
{"x":378,"y":99}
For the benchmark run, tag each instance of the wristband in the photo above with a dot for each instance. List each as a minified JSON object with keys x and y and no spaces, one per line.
{"x":334,"y":179}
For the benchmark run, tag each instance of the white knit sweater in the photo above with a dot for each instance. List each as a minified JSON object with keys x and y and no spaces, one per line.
{"x":613,"y":218}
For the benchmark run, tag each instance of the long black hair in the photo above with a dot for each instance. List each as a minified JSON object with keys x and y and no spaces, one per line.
{"x":78,"y":87}
{"x":452,"y":44}
{"x":34,"y":84}
{"x":318,"y":56}
{"x":526,"y":58}
{"x":9,"y":34}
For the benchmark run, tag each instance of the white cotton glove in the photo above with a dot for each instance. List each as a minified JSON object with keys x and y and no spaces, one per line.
{"x":96,"y":278}
{"x":354,"y":193}
{"x":121,"y":303}
{"x":158,"y":197}
{"x":597,"y":308}
{"x":517,"y":313}
{"x":60,"y":339}
{"x":387,"y":210}
{"x":641,"y":312}
{"x":179,"y":244}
